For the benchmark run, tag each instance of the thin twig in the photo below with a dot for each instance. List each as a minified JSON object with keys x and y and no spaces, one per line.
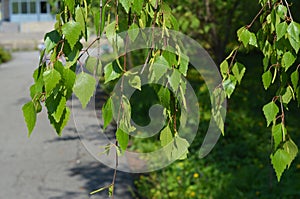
{"x":288,"y":7}
{"x":255,"y":18}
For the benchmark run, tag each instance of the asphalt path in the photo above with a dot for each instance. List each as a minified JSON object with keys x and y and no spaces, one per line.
{"x":44,"y":166}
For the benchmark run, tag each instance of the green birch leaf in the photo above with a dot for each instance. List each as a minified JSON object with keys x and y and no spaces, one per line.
{"x":267,"y":79}
{"x":244,"y":36}
{"x":60,"y":109}
{"x":229,"y":85}
{"x":253,"y":40}
{"x":51,"y":79}
{"x":166,"y":136}
{"x":94,"y":65}
{"x":122,"y":138}
{"x":174,"y":80}
{"x":288,"y":95}
{"x":79,"y":17}
{"x":184,"y":65}
{"x":135,"y":82}
{"x":126,"y":4}
{"x":84,"y":88}
{"x":281,"y":30}
{"x":270,"y":111}
{"x":291,"y":148}
{"x":180,"y":148}
{"x":70,"y":4}
{"x":295,"y":79}
{"x":170,"y":57}
{"x":137,"y":6}
{"x":224,"y":68}
{"x":238,"y":71}
{"x":160,"y":67}
{"x":59,"y":126}
{"x":29,"y":114}
{"x":293,"y":35}
{"x":277,"y":134}
{"x":69,"y":78}
{"x":287,"y":60}
{"x":280,"y":161}
{"x":111,"y":72}
{"x":72,"y":32}
{"x":51,"y":40}
{"x":281,"y":11}
{"x":107,"y":113}
{"x":133,"y":31}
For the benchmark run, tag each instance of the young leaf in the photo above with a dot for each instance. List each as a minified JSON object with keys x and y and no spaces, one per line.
{"x":72,"y":32}
{"x":288,"y":95}
{"x":267,"y":79}
{"x":244,"y":35}
{"x":295,"y":79}
{"x":51,"y":79}
{"x":84,"y":88}
{"x":29,"y":114}
{"x":287,"y":60}
{"x":122,"y":138}
{"x":224,"y":68}
{"x":166,"y":136}
{"x":238,"y":71}
{"x":270,"y":111}
{"x":107,"y":113}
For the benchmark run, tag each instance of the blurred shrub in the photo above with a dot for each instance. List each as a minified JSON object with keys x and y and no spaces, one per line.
{"x":5,"y":56}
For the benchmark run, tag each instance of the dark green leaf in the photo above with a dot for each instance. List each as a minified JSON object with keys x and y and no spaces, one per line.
{"x":59,"y":126}
{"x":137,"y":6}
{"x":29,"y":114}
{"x":295,"y":79}
{"x":84,"y":88}
{"x":270,"y":111}
{"x":51,"y":40}
{"x":60,"y":109}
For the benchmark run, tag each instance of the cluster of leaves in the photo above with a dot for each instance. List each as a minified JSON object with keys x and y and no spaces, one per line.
{"x":278,"y":40}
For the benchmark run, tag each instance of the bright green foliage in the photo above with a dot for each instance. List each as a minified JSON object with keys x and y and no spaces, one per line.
{"x":111,"y":72}
{"x":72,"y":31}
{"x":107,"y":113}
{"x":84,"y":88}
{"x":29,"y":113}
{"x":51,"y":79}
{"x":166,"y":136}
{"x":267,"y":79}
{"x":270,"y":111}
{"x":122,"y":138}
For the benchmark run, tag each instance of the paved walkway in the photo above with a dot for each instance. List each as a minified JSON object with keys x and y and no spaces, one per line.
{"x":44,"y":166}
